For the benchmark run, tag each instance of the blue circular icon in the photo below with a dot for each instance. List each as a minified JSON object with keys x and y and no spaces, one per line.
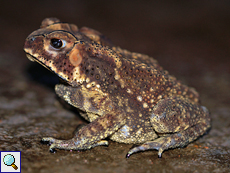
{"x":8,"y":159}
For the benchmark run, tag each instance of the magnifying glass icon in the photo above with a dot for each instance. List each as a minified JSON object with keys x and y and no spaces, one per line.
{"x":9,"y":160}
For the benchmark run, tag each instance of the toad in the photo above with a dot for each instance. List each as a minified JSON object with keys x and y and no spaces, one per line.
{"x":126,"y":97}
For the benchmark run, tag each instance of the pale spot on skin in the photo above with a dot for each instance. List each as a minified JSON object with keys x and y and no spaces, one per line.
{"x":139,"y":98}
{"x":76,"y":76}
{"x":168,"y":89}
{"x":86,"y":104}
{"x":116,"y":77}
{"x":159,"y":97}
{"x":128,"y":109}
{"x":145,"y":105}
{"x":140,"y":130}
{"x":118,"y":63}
{"x":151,"y":89}
{"x":122,"y":85}
{"x":191,"y":95}
{"x":87,"y":80}
{"x":196,"y":99}
{"x":174,"y":91}
{"x":93,"y":83}
{"x":125,"y":130}
{"x":66,"y":96}
{"x":88,"y":86}
{"x":129,"y":91}
{"x":81,"y":81}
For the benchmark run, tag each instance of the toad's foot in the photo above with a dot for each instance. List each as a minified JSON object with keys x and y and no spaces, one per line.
{"x":70,"y":144}
{"x":160,"y":144}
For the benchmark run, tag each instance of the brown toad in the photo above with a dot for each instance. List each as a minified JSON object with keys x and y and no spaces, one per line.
{"x":125,"y":96}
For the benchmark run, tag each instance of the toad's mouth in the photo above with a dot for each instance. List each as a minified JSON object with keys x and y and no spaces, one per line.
{"x":34,"y":59}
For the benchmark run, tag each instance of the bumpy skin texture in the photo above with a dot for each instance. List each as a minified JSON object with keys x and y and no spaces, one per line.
{"x":125,"y":96}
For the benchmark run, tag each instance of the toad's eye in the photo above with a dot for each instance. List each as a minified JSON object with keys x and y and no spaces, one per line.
{"x":57,"y":43}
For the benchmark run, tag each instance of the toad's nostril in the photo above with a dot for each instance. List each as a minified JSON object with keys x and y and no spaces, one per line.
{"x":32,"y":39}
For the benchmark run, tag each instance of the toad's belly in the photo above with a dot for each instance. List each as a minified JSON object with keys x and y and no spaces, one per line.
{"x":133,"y":135}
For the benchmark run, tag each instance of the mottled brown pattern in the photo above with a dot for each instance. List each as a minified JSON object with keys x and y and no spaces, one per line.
{"x":126,"y":96}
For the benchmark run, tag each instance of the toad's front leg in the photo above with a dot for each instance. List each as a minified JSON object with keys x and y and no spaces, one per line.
{"x":90,"y":135}
{"x":108,"y":118}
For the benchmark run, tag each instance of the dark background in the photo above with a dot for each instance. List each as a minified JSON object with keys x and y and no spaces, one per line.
{"x":191,"y":39}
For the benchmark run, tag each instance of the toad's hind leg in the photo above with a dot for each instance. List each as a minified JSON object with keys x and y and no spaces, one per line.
{"x":180,"y":120}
